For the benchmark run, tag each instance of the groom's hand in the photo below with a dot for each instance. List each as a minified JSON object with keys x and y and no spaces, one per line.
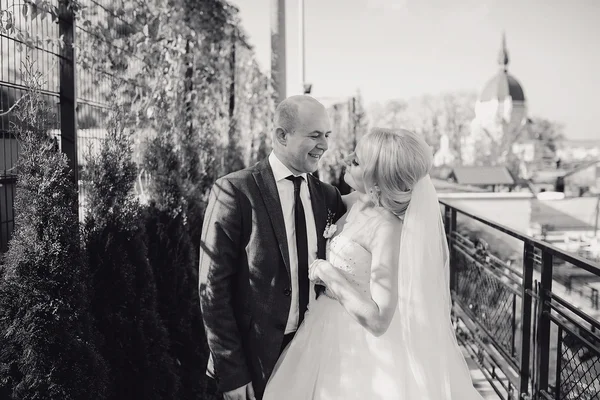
{"x":245,"y":392}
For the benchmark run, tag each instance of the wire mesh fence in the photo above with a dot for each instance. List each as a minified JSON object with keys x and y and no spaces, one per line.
{"x":105,"y":56}
{"x":46,"y":57}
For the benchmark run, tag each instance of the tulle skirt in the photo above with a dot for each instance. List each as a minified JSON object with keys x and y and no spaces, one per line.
{"x":332,"y":357}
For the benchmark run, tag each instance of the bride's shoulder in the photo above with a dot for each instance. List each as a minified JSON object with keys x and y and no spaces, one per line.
{"x":388,"y":218}
{"x":384,"y":224}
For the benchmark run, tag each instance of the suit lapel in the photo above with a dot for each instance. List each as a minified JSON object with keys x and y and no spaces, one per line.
{"x":263,"y":175}
{"x":317,"y":201}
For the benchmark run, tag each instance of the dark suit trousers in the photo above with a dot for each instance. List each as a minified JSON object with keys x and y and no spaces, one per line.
{"x":212,"y":392}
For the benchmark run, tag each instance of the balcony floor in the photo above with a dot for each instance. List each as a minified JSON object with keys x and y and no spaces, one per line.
{"x":479,"y":381}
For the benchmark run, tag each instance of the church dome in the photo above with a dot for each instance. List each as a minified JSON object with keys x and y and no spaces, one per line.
{"x":501,"y":109}
{"x":502,"y":85}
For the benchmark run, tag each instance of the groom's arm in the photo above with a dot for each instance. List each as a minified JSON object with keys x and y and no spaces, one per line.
{"x":341,"y":204}
{"x":219,"y":248}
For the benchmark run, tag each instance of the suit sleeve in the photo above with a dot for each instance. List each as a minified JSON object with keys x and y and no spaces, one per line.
{"x":340,"y":206}
{"x":219,"y":249}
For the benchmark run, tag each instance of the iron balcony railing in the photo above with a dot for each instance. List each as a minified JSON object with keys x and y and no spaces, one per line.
{"x":531,"y":336}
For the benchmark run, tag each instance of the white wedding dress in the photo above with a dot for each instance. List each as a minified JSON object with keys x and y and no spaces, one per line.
{"x":332,"y":357}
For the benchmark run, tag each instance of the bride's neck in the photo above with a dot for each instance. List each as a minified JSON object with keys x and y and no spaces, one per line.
{"x":363,"y":201}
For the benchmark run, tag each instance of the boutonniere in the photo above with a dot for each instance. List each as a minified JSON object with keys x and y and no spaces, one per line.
{"x":330,"y":228}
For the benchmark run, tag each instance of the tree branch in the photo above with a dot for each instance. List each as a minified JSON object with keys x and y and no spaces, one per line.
{"x":3,"y":113}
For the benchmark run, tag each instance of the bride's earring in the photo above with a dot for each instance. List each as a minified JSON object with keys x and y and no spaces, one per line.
{"x":374,"y":194}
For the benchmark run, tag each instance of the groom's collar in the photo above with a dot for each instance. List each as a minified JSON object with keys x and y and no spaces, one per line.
{"x":280,"y":171}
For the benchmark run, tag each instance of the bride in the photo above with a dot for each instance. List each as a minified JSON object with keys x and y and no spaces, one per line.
{"x":382,"y":331}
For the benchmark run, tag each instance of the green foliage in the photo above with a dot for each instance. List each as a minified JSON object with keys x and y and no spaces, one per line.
{"x":30,"y":10}
{"x":180,"y":66}
{"x":189,"y":56}
{"x":135,"y":342}
{"x":433,"y":116}
{"x":180,"y":165}
{"x":179,"y":70}
{"x":549,"y":133}
{"x":349,"y":123}
{"x":188,"y":73}
{"x":253,"y":111}
{"x":172,"y":256}
{"x":47,"y":338}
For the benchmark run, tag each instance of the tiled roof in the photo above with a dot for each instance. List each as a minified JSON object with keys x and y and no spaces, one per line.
{"x":479,"y":176}
{"x":442,"y":186}
{"x":550,"y":175}
{"x":547,"y":213}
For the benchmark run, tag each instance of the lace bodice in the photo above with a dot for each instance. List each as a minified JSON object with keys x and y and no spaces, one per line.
{"x":352,"y":259}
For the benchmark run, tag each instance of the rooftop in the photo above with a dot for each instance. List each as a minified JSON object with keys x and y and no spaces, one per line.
{"x":482,"y":176}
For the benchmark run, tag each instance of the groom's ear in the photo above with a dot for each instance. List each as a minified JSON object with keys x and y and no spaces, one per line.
{"x":281,"y":136}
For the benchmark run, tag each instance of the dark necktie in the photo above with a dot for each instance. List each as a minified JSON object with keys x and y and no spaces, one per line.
{"x":301,"y":248}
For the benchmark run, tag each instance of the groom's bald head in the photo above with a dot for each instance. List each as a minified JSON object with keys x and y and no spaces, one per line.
{"x":293,"y":112}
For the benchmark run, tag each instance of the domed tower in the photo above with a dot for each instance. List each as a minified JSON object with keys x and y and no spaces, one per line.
{"x":501,"y":109}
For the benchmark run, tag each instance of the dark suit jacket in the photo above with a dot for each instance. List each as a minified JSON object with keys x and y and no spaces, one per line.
{"x":245,"y":284}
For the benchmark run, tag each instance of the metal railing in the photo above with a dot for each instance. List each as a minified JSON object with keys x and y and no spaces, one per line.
{"x":529,"y":336}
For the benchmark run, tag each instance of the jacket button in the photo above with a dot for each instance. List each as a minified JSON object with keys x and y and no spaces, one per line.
{"x":287,"y":291}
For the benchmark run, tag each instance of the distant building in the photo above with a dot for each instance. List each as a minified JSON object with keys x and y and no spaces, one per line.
{"x":490,"y":178}
{"x":444,"y":155}
{"x":533,"y":151}
{"x":445,"y":186}
{"x":564,"y":222}
{"x":573,"y":179}
{"x":583,"y":179}
{"x":500,"y":114}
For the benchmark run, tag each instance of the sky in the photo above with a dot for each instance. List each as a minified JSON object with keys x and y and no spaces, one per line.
{"x":398,"y":49}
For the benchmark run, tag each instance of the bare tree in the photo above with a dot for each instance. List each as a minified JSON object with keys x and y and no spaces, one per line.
{"x":433,"y":116}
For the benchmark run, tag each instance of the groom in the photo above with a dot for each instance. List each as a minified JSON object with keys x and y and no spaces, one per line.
{"x":263,"y":227}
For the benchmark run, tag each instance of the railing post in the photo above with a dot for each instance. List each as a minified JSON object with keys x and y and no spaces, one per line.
{"x":68,"y":103}
{"x":558,"y":363}
{"x":526,"y":311}
{"x":543,"y":325}
{"x":450,"y":226}
{"x":513,"y":346}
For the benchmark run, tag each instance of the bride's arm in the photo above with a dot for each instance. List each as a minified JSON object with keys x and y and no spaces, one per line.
{"x":374,"y":312}
{"x":350,"y":199}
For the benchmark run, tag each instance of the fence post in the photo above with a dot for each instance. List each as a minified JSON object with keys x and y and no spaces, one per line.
{"x":450,"y":226}
{"x":543,"y":326}
{"x":232,"y":123}
{"x":68,"y":101}
{"x":526,"y":311}
{"x":558,"y":363}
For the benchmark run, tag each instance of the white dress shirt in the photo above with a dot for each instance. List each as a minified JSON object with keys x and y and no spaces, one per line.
{"x":285,"y":188}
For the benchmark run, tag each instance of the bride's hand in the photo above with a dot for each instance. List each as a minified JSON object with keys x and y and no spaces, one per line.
{"x":315,"y":271}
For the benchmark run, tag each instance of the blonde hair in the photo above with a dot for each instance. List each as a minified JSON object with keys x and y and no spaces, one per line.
{"x":393,"y":161}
